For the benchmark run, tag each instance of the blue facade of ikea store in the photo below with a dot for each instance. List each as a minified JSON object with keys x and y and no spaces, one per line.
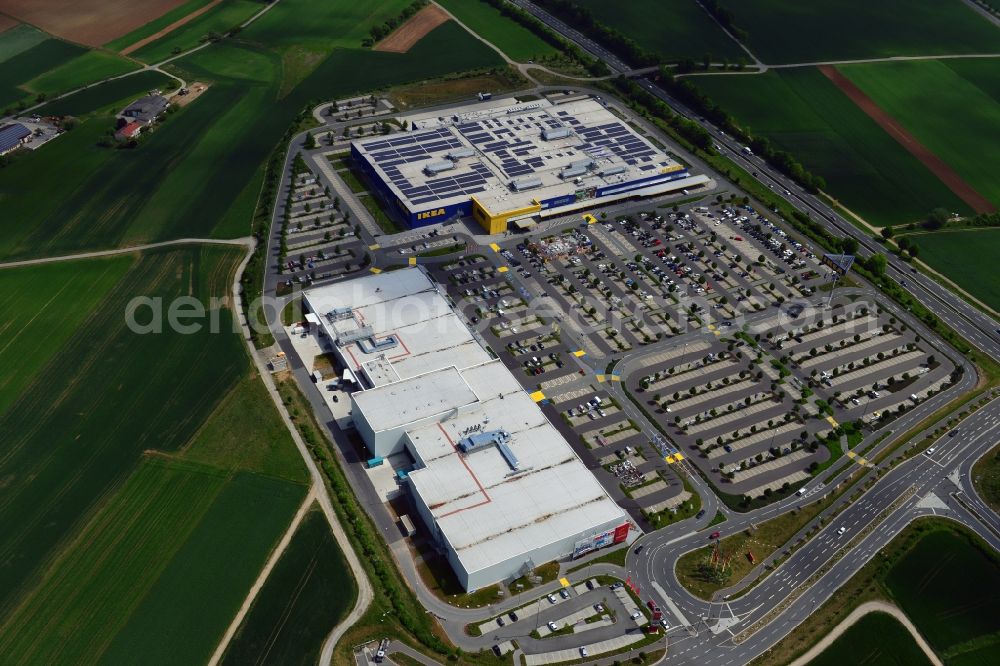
{"x":435,"y":214}
{"x":412,"y":219}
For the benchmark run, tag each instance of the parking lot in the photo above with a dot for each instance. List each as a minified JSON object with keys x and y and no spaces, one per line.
{"x":630,"y":282}
{"x":318,"y":240}
{"x":721,"y":327}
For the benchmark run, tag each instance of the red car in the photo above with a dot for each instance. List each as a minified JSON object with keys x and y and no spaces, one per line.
{"x":714,"y":535}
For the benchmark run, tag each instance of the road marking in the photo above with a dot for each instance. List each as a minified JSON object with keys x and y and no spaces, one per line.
{"x":376,"y":271}
{"x":579,"y":352}
{"x":600,"y":378}
{"x":538,"y":396}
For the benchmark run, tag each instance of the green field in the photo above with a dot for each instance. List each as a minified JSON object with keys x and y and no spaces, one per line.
{"x":189,"y":607}
{"x":950,"y":590}
{"x":40,"y":308}
{"x":949,"y":115}
{"x":157,"y":444}
{"x":801,"y":111}
{"x":219,"y":19}
{"x":980,"y":72}
{"x":789,"y":31}
{"x":320,"y":27}
{"x":309,"y":590}
{"x":877,"y":639}
{"x":30,"y":63}
{"x":199,"y":174}
{"x":516,"y":41}
{"x":966,"y":257}
{"x":18,"y":39}
{"x":156,"y":25}
{"x":104,"y":397}
{"x":87,"y":68}
{"x":111,"y":96}
{"x":672,"y":29}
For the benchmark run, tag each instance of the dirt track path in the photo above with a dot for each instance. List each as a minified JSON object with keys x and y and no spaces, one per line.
{"x":937,"y":166}
{"x":857,"y":614}
{"x":170,"y":28}
{"x":247,"y":242}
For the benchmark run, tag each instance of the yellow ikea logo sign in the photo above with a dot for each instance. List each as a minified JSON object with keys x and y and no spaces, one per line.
{"x":430,"y":213}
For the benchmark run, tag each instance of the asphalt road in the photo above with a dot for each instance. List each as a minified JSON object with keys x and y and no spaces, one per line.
{"x":654,"y":567}
{"x":975,"y":326}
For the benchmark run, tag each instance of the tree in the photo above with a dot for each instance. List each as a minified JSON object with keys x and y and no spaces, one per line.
{"x":936,"y":218}
{"x":887,"y":232}
{"x":310,"y":141}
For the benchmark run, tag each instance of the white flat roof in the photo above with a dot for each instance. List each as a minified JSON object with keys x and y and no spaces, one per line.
{"x":507,"y":144}
{"x":406,"y":306}
{"x":488,"y":513}
{"x":410,"y":400}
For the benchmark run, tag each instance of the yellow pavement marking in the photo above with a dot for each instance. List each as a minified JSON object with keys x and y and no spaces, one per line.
{"x":858,"y":459}
{"x":832,"y":421}
{"x":600,"y":378}
{"x":502,"y":269}
{"x":538,"y":396}
{"x":579,"y":352}
{"x":413,"y":261}
{"x":494,"y":247}
{"x":589,"y":219}
{"x":376,"y":271}
{"x":564,"y":582}
{"x":374,"y":246}
{"x":615,"y":378}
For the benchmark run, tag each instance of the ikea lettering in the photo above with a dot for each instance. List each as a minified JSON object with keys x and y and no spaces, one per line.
{"x":430,"y":213}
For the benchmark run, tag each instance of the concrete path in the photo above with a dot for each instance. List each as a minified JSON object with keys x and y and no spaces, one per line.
{"x":246,"y":242}
{"x":857,"y":614}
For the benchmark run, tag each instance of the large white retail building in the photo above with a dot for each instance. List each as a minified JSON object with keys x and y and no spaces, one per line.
{"x":496,"y":484}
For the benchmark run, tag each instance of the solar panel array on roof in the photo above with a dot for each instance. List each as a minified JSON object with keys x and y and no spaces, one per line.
{"x":11,"y":135}
{"x":389,"y":153}
{"x":617,"y":139}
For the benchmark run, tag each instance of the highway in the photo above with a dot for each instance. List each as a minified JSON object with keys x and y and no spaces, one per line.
{"x":940,"y":485}
{"x":974,"y":325}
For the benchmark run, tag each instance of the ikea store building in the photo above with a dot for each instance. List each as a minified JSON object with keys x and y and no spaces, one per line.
{"x":501,"y":161}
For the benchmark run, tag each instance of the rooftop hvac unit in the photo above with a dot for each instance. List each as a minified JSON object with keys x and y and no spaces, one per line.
{"x":552,"y":133}
{"x":572,"y":172}
{"x":522,"y":184}
{"x":612,"y":170}
{"x":459,"y":153}
{"x":585,"y":163}
{"x":435,"y":168}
